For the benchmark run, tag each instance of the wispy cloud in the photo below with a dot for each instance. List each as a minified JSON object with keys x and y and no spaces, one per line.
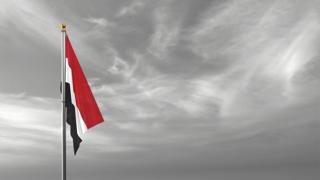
{"x":262,"y":64}
{"x":28,"y":122}
{"x":32,"y":18}
{"x":99,"y":22}
{"x":165,"y":34}
{"x":130,"y":9}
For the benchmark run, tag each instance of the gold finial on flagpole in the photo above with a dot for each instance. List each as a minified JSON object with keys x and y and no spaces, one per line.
{"x":63,"y":27}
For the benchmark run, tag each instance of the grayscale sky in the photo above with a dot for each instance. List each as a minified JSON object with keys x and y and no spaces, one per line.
{"x":189,"y":89}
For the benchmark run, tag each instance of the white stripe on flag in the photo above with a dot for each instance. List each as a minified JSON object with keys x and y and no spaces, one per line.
{"x":81,"y":127}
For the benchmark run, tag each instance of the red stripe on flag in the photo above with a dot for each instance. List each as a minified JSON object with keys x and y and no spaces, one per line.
{"x":85,"y":101}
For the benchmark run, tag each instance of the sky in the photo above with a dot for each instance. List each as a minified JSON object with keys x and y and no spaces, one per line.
{"x":192,"y":90}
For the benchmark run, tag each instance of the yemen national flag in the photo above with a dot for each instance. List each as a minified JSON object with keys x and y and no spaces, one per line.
{"x":82,"y":109}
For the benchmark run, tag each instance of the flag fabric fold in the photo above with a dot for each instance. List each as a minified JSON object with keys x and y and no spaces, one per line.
{"x":82,"y":110}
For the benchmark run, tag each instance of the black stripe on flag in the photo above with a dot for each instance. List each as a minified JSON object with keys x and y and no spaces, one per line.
{"x":71,"y":119}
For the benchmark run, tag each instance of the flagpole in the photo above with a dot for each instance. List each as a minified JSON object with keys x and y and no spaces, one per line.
{"x":63,"y":81}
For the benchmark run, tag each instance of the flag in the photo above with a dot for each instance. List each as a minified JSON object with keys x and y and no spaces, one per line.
{"x":81,"y":108}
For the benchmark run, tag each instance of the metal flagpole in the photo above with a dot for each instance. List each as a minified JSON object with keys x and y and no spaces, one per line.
{"x":63,"y":81}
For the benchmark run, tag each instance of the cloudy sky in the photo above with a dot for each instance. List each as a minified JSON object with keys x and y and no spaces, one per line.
{"x":189,"y":89}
